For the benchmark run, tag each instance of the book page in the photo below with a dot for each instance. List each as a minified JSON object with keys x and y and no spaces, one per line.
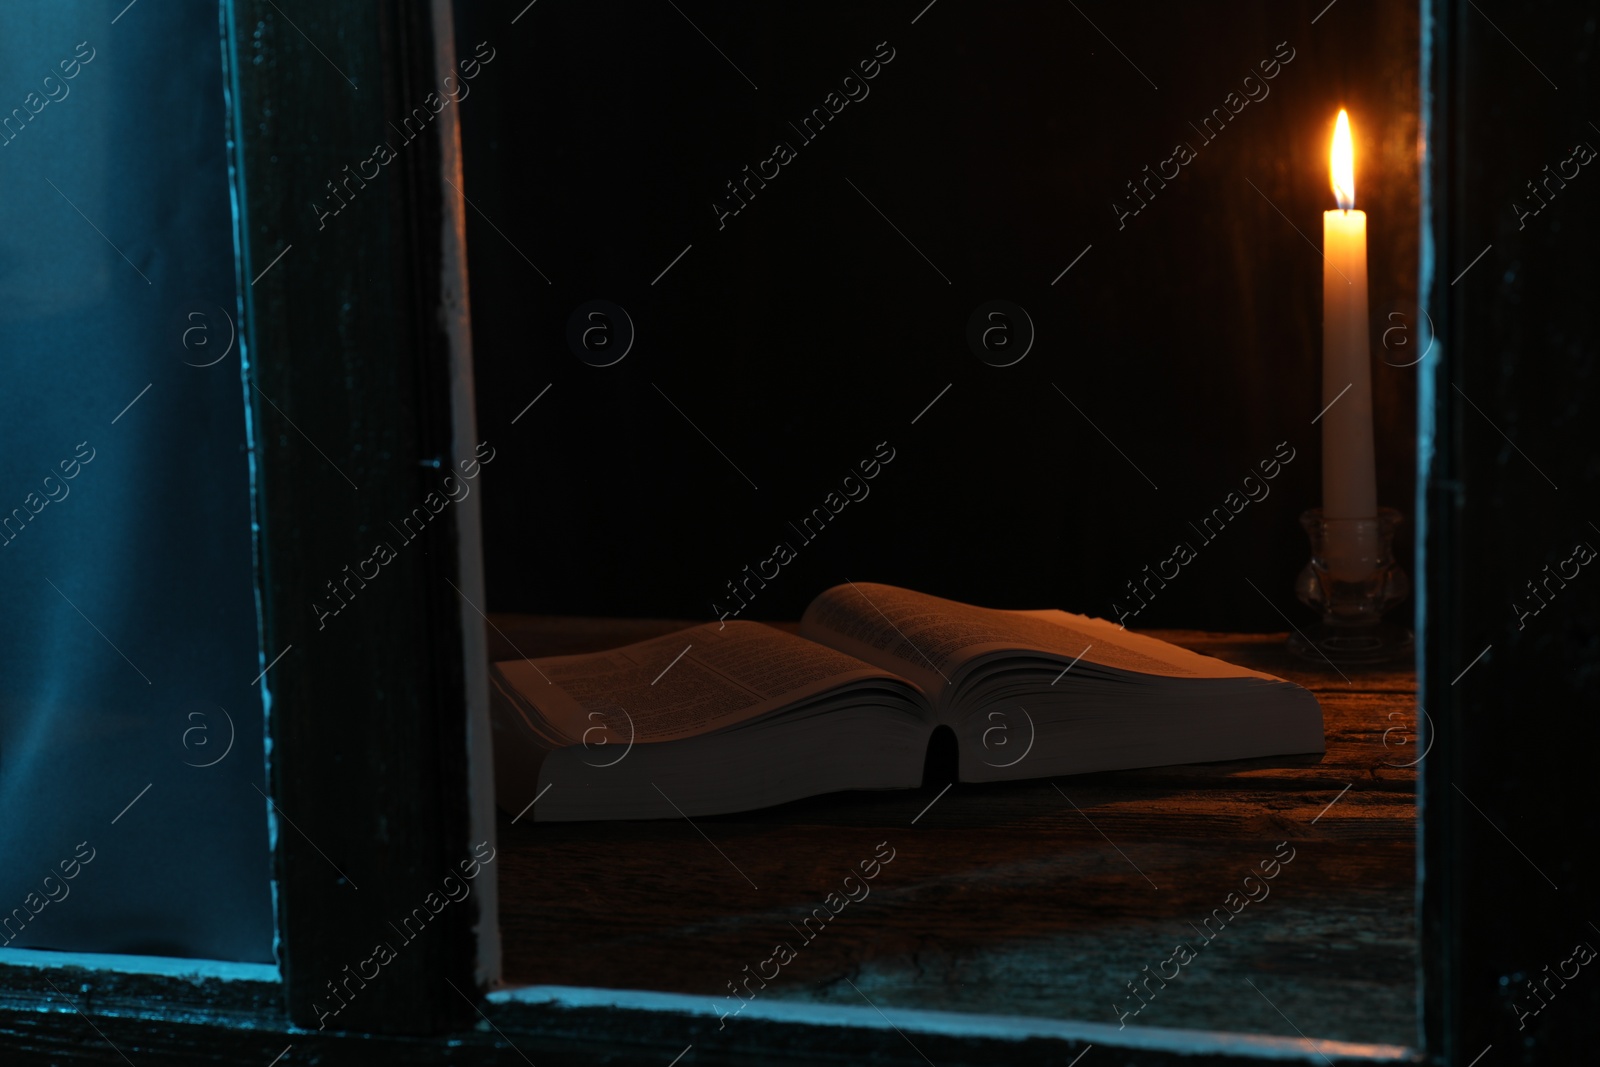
{"x":1114,"y":646}
{"x":681,"y":684}
{"x":930,"y":639}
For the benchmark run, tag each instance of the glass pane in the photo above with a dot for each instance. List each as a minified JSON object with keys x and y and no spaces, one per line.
{"x":953,"y":299}
{"x":131,"y":726}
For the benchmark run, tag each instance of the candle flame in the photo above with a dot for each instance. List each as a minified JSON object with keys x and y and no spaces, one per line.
{"x":1341,"y":160}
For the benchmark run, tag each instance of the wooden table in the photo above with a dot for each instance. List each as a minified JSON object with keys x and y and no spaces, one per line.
{"x":1039,"y":898}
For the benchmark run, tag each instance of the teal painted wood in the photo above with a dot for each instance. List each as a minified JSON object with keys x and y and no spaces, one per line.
{"x":1508,"y":399}
{"x":348,"y":392}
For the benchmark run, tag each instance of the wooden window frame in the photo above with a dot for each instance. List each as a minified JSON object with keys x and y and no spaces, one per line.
{"x":364,"y":344}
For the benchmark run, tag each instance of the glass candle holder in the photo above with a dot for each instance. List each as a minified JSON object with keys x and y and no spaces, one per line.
{"x":1351,"y":581}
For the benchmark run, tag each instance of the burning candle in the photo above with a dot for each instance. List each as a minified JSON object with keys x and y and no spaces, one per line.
{"x":1349,"y":481}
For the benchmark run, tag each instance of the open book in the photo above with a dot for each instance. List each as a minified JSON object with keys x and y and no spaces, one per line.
{"x":740,"y":715}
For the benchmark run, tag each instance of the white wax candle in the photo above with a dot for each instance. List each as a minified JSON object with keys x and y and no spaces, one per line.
{"x":1349,"y":489}
{"x":1349,"y":476}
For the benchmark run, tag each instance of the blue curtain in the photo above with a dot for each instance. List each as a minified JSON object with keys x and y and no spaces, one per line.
{"x":131,"y":731}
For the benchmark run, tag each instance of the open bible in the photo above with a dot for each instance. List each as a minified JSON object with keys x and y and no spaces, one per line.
{"x":740,"y":715}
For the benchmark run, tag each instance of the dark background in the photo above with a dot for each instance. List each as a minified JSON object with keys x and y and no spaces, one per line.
{"x":807,"y":330}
